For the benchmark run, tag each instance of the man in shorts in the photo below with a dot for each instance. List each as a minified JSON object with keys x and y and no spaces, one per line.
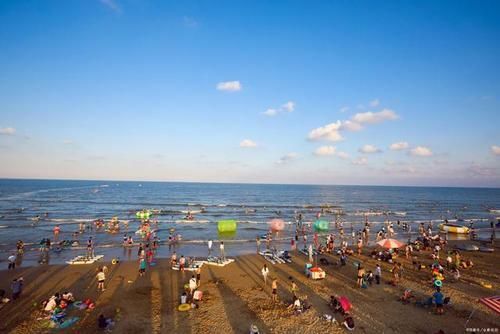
{"x":101,"y":277}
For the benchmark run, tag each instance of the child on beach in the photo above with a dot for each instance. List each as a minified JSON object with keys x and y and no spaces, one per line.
{"x":210,"y":242}
{"x":182,"y":263}
{"x":142,"y":267}
{"x":361,"y":274}
{"x":12,"y":261}
{"x":222,"y":253}
{"x":274,"y":286}
{"x":101,"y":277}
{"x":265,"y":272}
{"x":17,"y":287}
{"x":192,"y":285}
{"x":378,"y":273}
{"x":438,"y":300}
{"x":173,"y":259}
{"x":294,"y":288}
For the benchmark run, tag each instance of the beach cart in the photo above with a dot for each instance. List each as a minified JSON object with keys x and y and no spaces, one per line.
{"x":314,"y":272}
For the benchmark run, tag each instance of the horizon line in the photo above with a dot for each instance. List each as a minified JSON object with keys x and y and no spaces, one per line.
{"x":244,"y":183}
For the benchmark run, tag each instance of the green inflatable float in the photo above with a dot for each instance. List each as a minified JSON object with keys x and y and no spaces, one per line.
{"x":226,"y":226}
{"x":321,"y":225}
{"x":143,"y":214}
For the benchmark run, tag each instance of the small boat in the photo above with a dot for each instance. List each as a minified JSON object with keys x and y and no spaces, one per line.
{"x":450,"y":228}
{"x":82,"y":259}
{"x":191,"y":267}
{"x":216,"y":261}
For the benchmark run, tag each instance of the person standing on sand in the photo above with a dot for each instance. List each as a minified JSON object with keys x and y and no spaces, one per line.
{"x":198,"y":276}
{"x":101,"y":277}
{"x":310,"y":252}
{"x":90,"y":248}
{"x":378,"y":273}
{"x":360,"y":245}
{"x":17,"y":287}
{"x":274,"y":286}
{"x":173,"y":259}
{"x":210,"y":242}
{"x":396,"y":271}
{"x":222,"y":253}
{"x":192,"y":285}
{"x":182,"y":263}
{"x":361,"y":274}
{"x":12,"y":261}
{"x":265,"y":272}
{"x":294,"y":288}
{"x":142,"y":266}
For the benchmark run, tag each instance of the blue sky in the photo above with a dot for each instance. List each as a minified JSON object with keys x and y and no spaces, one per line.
{"x":251,"y":91}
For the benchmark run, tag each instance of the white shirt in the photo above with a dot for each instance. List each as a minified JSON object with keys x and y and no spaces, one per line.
{"x":192,"y":283}
{"x":210,"y":244}
{"x":221,"y":246}
{"x":12,"y":258}
{"x":101,"y":276}
{"x":378,"y":271}
{"x":265,"y":271}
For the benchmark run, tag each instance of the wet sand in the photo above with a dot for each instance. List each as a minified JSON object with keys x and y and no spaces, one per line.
{"x":235,"y":297}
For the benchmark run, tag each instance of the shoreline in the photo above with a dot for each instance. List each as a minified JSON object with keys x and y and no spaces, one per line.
{"x":235,"y":297}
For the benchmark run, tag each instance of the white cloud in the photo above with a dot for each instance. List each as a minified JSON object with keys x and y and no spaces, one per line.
{"x":247,"y":143}
{"x":111,"y":4}
{"x":421,"y":151}
{"x":360,"y":161}
{"x":287,"y":158}
{"x":342,"y":155}
{"x":332,"y":131}
{"x":325,"y":150}
{"x":495,"y":150}
{"x":369,"y":149}
{"x":328,"y":132}
{"x":229,"y":86}
{"x":374,"y":103}
{"x":288,"y":107}
{"x":351,"y":126}
{"x":344,"y":109}
{"x":375,"y":117}
{"x":402,"y":145}
{"x":7,"y":131}
{"x":270,"y":112}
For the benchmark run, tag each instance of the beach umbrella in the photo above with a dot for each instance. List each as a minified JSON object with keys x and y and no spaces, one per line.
{"x":277,"y":224}
{"x":345,"y":303}
{"x":390,"y":243}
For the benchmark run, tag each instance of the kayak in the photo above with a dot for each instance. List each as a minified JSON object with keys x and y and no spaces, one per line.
{"x":82,"y":259}
{"x":450,"y":228}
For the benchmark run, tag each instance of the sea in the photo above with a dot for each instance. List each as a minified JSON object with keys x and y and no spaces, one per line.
{"x":30,"y":209}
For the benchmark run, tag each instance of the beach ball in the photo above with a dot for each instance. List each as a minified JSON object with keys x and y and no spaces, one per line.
{"x":226,"y":225}
{"x":277,"y":224}
{"x":321,"y":225}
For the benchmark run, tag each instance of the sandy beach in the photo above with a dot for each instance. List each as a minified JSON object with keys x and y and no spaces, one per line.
{"x":235,"y":297}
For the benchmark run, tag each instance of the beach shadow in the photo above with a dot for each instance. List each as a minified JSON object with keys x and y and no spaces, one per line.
{"x":235,"y":307}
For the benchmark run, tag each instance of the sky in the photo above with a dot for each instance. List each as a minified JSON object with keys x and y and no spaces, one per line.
{"x":314,"y":92}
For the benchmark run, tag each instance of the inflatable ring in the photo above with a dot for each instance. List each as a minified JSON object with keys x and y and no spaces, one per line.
{"x":438,"y":283}
{"x":114,"y":261}
{"x":184,"y":307}
{"x":77,"y":304}
{"x":486,"y":285}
